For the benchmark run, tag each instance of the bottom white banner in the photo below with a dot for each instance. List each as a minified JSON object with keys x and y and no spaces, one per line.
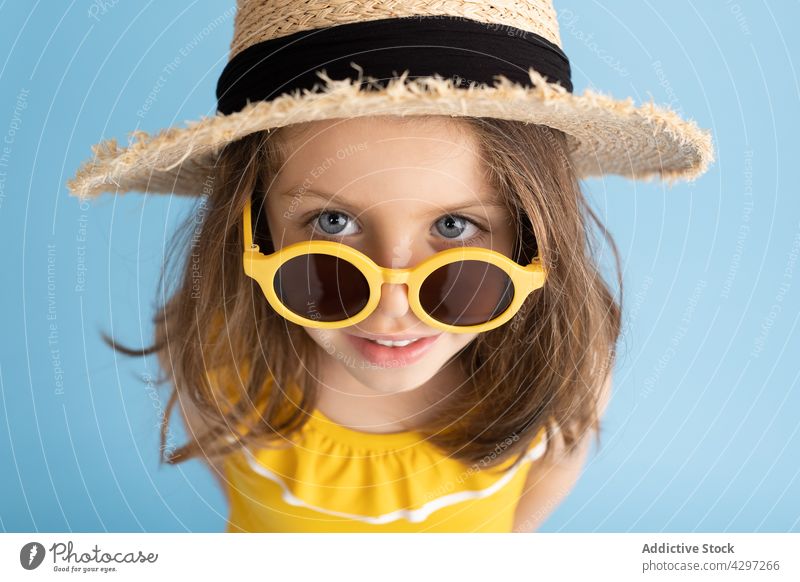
{"x":353,"y":557}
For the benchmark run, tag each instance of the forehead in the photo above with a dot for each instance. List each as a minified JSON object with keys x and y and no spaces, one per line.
{"x":381,"y":160}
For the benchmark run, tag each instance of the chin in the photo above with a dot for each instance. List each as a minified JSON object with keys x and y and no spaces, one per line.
{"x":389,"y":380}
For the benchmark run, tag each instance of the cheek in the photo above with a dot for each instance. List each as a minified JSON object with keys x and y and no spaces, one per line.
{"x":459,"y":341}
{"x":327,"y":339}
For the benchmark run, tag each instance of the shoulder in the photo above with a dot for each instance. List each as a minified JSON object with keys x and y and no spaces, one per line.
{"x":550,"y":479}
{"x":560,"y":455}
{"x":604,"y":396}
{"x":568,"y":463}
{"x":197,"y":430}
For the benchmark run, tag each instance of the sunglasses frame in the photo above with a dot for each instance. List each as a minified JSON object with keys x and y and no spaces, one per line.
{"x":263,"y":268}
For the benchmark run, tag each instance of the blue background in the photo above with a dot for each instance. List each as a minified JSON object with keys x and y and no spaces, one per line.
{"x":702,"y":430}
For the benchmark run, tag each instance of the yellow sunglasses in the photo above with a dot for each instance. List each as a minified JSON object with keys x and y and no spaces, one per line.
{"x":329,"y":285}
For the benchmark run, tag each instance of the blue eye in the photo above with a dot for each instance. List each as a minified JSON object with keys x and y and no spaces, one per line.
{"x":332,"y":222}
{"x":452,"y":226}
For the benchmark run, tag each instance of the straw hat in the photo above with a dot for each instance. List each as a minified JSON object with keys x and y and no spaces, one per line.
{"x":298,"y":61}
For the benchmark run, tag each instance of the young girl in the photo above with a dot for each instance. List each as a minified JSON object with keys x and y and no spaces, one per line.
{"x":389,"y":316}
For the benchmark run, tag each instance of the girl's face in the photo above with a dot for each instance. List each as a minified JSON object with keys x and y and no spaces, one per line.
{"x":398,"y":190}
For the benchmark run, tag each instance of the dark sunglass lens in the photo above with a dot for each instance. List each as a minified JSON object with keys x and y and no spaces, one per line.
{"x":321,"y":287}
{"x":466,"y":293}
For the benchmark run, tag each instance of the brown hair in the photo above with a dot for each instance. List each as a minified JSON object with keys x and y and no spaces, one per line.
{"x":544,"y":368}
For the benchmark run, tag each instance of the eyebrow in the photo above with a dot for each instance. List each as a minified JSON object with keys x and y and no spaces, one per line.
{"x":295,"y":192}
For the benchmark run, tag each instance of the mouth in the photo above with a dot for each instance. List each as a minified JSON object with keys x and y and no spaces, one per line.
{"x":393,"y":353}
{"x":395,"y":341}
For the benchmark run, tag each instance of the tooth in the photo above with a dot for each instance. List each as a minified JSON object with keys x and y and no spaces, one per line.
{"x":398,"y":344}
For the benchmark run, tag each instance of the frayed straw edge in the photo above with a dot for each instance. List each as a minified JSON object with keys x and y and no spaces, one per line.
{"x":110,"y":162}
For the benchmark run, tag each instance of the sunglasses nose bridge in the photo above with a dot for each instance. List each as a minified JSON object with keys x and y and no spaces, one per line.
{"x":396,"y":276}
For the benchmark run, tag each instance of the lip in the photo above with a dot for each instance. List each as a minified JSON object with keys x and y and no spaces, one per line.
{"x":393,"y":357}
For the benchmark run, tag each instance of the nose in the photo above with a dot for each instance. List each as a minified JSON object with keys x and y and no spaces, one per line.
{"x":394,"y":300}
{"x":393,"y":253}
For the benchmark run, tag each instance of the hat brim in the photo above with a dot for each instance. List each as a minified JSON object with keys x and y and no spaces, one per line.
{"x":604,"y":135}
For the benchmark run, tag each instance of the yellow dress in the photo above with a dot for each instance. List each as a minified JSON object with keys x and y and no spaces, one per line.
{"x":337,"y":479}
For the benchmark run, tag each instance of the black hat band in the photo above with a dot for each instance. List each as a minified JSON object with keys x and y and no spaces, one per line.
{"x":453,"y":47}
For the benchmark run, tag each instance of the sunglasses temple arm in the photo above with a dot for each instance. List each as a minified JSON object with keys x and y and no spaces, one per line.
{"x":537,"y":273}
{"x":248,"y":227}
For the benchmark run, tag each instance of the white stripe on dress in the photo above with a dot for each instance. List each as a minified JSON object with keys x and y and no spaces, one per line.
{"x":413,"y":515}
